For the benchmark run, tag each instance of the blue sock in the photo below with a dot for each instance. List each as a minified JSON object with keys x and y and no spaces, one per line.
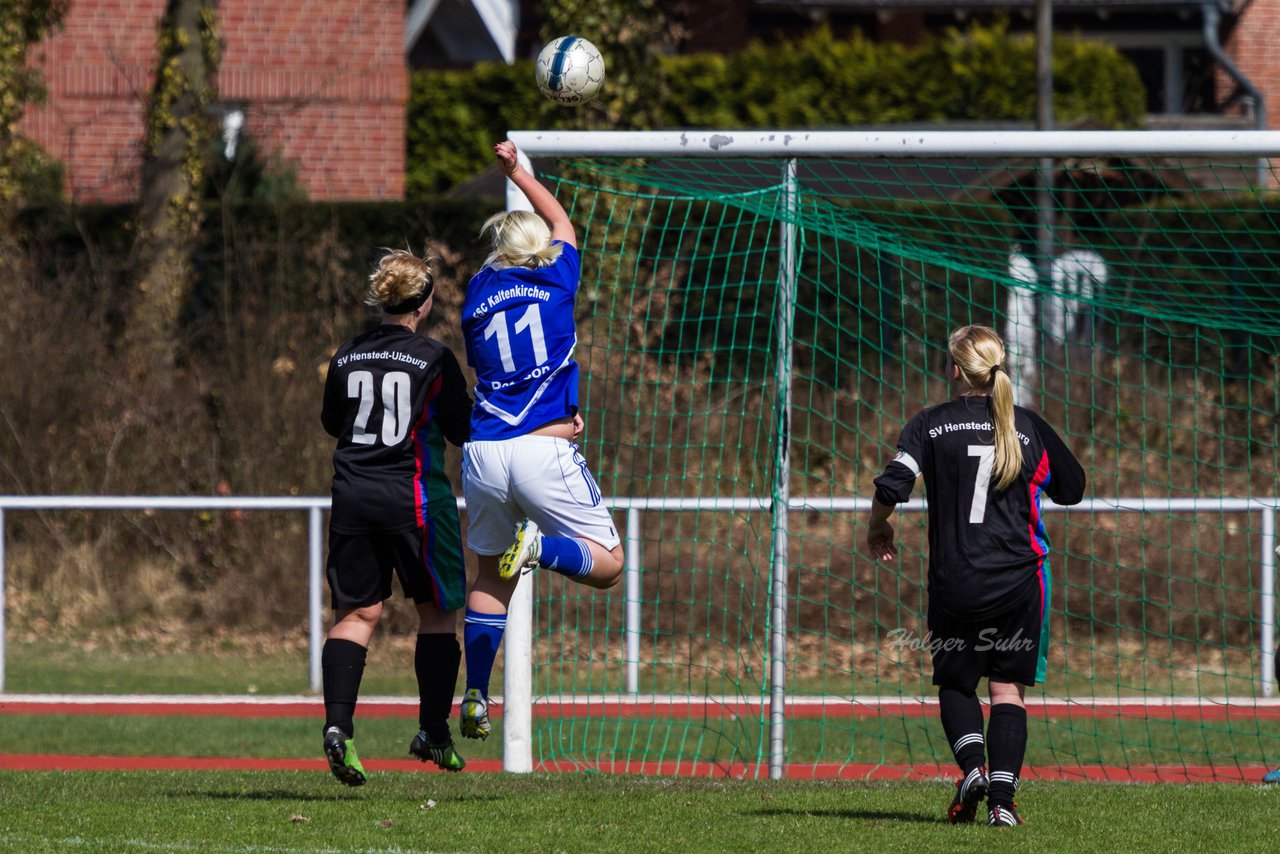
{"x":481,"y":636}
{"x":566,"y":556}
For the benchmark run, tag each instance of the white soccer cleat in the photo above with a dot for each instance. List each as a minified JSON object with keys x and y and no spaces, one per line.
{"x":474,"y":714}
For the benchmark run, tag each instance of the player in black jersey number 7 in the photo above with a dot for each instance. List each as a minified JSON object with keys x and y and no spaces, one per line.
{"x":985,"y":463}
{"x":391,"y":399}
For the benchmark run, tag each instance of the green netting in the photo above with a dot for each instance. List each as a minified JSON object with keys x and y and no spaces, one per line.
{"x":1152,"y":348}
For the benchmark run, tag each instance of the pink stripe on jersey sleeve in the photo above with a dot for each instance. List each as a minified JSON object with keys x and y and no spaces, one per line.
{"x":1033,"y":493}
{"x":420,"y":451}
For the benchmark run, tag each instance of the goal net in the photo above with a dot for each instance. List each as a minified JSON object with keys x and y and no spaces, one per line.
{"x":759,"y":315}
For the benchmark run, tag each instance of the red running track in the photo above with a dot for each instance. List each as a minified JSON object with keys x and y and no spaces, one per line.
{"x":1203,"y":710}
{"x":1181,"y":709}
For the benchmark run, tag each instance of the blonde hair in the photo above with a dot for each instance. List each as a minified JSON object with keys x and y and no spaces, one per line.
{"x":979,"y":354}
{"x":519,"y":239}
{"x":401,"y":283}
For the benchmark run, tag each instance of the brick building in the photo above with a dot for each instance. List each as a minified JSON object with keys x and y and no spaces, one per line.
{"x":321,"y":84}
{"x":1182,"y":60}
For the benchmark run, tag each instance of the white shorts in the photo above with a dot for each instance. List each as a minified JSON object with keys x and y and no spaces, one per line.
{"x":542,"y":478}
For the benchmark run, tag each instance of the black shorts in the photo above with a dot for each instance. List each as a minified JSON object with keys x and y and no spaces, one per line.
{"x":1009,"y":647}
{"x":428,"y":562}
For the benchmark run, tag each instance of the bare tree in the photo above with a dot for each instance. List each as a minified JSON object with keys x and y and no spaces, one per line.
{"x":178,"y":132}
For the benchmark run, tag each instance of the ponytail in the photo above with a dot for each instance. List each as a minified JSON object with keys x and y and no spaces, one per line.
{"x":1008,"y":462}
{"x":979,"y":354}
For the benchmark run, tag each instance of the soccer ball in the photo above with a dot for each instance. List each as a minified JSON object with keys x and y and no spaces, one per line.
{"x":569,"y":70}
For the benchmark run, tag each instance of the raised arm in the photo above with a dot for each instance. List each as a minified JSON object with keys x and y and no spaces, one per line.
{"x":544,"y":203}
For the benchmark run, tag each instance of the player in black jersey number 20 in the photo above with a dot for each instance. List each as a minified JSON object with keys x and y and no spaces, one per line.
{"x":391,"y":399}
{"x":986,"y":463}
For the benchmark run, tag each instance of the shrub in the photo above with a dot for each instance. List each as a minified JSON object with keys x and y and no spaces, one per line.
{"x":820,"y":81}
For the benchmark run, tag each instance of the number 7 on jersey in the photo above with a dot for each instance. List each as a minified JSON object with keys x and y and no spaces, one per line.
{"x":986,"y":455}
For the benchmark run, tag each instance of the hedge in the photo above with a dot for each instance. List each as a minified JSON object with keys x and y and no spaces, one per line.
{"x":820,"y":81}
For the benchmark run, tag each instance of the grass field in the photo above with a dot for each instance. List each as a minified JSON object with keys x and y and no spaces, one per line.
{"x":279,"y":666}
{"x":309,"y":811}
{"x":412,"y":807}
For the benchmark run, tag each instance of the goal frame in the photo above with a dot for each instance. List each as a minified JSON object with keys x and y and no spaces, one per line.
{"x":788,"y":146}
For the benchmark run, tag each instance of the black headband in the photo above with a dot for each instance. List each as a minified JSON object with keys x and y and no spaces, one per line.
{"x":411,"y":304}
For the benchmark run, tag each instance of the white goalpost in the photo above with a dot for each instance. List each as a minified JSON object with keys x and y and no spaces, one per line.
{"x":789,"y":147}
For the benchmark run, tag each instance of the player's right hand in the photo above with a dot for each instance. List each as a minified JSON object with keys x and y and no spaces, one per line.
{"x":880,"y":542}
{"x":508,"y":156}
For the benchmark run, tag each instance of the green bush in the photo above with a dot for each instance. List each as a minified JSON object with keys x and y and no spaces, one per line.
{"x":820,"y":81}
{"x":455,"y":116}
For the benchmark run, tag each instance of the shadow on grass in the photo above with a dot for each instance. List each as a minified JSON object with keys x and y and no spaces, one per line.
{"x":866,"y":815}
{"x":265,"y":795}
{"x":339,"y":793}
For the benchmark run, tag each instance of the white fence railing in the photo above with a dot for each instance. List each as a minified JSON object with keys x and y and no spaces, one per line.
{"x":518,"y":652}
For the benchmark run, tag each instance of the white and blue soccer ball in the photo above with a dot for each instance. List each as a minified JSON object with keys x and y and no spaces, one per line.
{"x":569,"y":70}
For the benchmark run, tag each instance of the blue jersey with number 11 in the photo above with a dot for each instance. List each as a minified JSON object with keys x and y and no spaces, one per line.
{"x":520,"y":334}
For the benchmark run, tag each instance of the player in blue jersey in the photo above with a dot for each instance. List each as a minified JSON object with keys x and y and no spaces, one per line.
{"x":985,"y":463}
{"x":391,"y":399}
{"x":522,"y":472}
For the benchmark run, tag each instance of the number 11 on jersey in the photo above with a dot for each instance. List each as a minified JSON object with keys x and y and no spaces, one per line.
{"x":530,"y":320}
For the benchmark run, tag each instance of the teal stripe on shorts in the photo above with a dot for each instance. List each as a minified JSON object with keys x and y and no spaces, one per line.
{"x":444,"y":553}
{"x":1046,"y":575}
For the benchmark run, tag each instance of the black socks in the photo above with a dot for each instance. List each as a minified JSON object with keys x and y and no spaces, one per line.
{"x":342,"y":664}
{"x":1006,"y":745}
{"x":436,"y":660}
{"x":962,"y":722}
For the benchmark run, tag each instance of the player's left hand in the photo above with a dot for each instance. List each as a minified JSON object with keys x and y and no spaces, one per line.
{"x":578,"y":425}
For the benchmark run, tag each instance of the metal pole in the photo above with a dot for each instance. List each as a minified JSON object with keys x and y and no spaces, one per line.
{"x":517,"y":655}
{"x":1267,"y":595}
{"x":782,"y":480}
{"x":631,"y":587}
{"x":517,"y":680}
{"x":1044,"y":65}
{"x":1044,"y":174}
{"x":2,"y":601}
{"x":1212,"y":42}
{"x":315,"y":616}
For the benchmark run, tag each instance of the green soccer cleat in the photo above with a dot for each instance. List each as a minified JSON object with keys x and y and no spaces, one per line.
{"x":525,"y":551}
{"x":445,"y":757}
{"x":341,"y":753}
{"x":474,"y":715}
